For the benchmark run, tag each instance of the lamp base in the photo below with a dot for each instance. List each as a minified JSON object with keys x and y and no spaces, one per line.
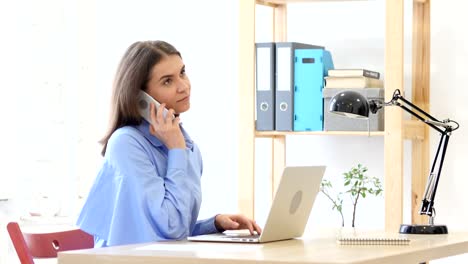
{"x":424,"y":229}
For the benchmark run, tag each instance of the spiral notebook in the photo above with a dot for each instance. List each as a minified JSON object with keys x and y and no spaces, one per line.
{"x":392,"y":241}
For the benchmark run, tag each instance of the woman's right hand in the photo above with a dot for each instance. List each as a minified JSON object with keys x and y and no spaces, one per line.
{"x":166,"y":129}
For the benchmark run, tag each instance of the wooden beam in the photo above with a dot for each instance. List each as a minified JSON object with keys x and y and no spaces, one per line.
{"x":414,"y":130}
{"x":393,"y":142}
{"x":421,"y":95}
{"x":280,"y":19}
{"x":266,"y":3}
{"x":278,"y":141}
{"x":278,"y":161}
{"x":267,"y":134}
{"x":246,"y":89}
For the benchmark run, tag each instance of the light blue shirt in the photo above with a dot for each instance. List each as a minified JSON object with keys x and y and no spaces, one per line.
{"x":145,"y":192}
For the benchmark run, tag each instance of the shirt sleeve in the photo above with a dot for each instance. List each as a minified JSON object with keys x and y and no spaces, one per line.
{"x":206,"y":226}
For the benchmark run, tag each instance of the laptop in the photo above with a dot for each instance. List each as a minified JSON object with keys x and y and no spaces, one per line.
{"x":289,"y":210}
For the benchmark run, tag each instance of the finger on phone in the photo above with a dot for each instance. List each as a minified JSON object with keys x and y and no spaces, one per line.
{"x":153,"y":114}
{"x":170,"y":115}
{"x":176,"y":121}
{"x":160,"y":111}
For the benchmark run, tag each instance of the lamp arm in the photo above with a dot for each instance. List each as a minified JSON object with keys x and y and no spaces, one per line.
{"x":445,"y":129}
{"x":425,"y":117}
{"x":431,"y":121}
{"x":445,"y":125}
{"x":427,"y":206}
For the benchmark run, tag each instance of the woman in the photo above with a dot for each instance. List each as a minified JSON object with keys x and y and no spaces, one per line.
{"x":148,"y":188}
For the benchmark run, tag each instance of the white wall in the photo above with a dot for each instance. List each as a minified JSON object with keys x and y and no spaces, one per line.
{"x":58,"y":69}
{"x":62,"y":55}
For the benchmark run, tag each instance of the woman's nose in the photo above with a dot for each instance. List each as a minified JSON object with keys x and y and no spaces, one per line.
{"x":183,"y":85}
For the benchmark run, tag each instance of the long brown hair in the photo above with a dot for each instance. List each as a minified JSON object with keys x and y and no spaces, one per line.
{"x":132,"y":76}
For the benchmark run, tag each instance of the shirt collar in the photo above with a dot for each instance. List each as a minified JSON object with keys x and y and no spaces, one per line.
{"x":144,"y":129}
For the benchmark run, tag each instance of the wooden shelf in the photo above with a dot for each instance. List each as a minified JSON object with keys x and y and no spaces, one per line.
{"x":323,"y":133}
{"x":396,"y":128}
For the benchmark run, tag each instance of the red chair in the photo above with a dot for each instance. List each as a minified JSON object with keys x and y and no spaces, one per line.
{"x":46,"y":245}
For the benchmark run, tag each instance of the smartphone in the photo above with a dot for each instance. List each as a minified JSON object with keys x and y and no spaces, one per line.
{"x":144,"y":101}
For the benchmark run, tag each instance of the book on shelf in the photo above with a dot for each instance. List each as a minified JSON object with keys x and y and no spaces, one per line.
{"x":285,"y":82}
{"x":353,"y":73}
{"x":352,"y":82}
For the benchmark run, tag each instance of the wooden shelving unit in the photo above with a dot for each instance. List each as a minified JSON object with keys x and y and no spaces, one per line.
{"x":396,"y":128}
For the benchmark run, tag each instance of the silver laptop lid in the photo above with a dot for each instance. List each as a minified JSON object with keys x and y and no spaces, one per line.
{"x":292,"y":203}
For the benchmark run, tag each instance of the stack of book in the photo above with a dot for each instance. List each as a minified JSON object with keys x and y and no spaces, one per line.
{"x":363,"y":81}
{"x":353,"y":78}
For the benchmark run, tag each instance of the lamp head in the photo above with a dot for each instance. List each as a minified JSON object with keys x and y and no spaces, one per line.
{"x":350,"y":104}
{"x":353,"y":104}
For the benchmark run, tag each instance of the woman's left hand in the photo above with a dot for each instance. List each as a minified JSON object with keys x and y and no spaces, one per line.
{"x":236,"y":222}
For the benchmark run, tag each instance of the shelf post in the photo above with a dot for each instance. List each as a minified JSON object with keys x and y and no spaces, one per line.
{"x":393,"y":142}
{"x":278,"y":161}
{"x":280,"y":28}
{"x":246,"y":104}
{"x":280,"y":19}
{"x":421,"y":88}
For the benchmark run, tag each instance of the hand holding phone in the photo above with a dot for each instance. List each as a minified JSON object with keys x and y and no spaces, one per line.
{"x":144,"y":101}
{"x":169,"y":134}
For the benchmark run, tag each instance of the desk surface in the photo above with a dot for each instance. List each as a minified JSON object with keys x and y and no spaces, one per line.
{"x":305,"y":250}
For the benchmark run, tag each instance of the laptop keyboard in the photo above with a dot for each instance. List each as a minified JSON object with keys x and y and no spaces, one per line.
{"x":241,"y":236}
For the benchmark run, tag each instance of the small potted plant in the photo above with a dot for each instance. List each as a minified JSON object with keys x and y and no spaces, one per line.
{"x":356,"y":184}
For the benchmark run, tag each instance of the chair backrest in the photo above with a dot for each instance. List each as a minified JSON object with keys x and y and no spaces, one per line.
{"x":46,"y":245}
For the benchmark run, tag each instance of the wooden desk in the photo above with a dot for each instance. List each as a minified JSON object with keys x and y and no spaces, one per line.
{"x":311,"y":251}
